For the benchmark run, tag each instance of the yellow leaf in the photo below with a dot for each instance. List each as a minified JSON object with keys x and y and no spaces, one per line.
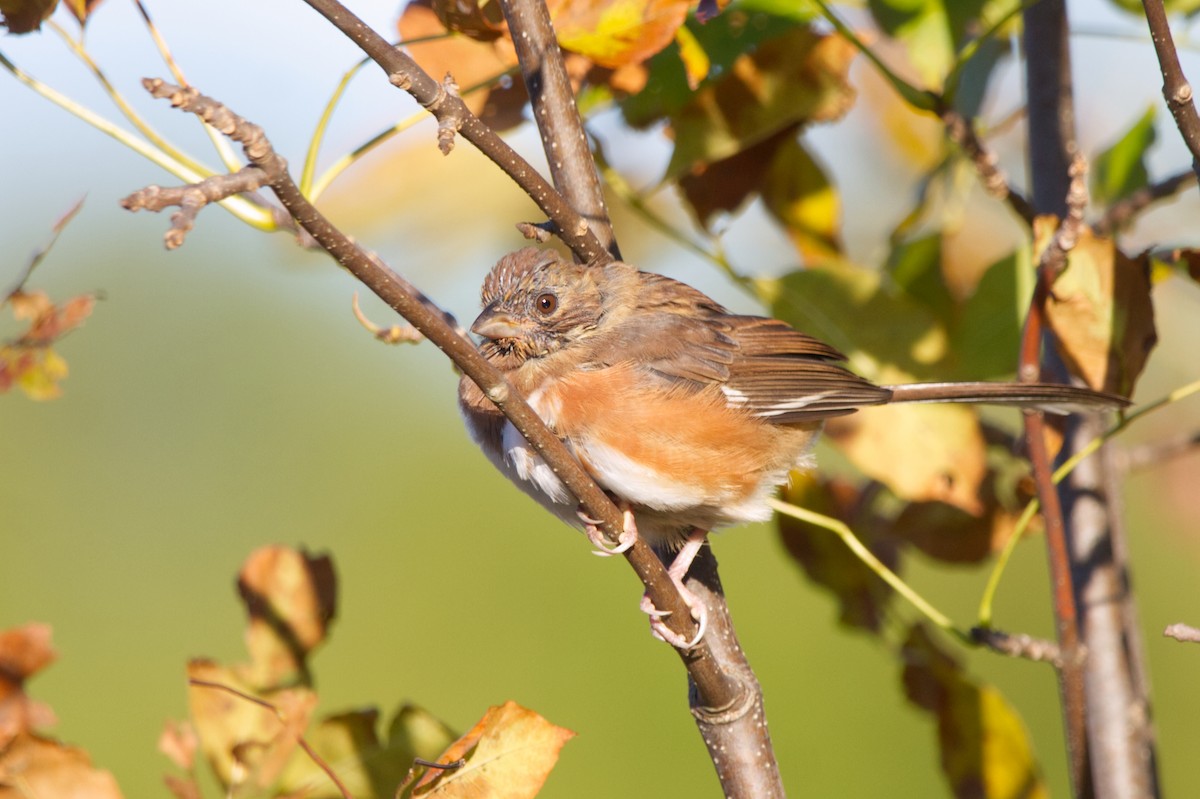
{"x":921,"y":452}
{"x":695,"y":60}
{"x":1101,"y":312}
{"x":615,"y":34}
{"x":509,"y":754}
{"x":40,"y":379}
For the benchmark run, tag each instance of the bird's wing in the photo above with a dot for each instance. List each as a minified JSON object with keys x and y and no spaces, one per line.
{"x":764,"y":366}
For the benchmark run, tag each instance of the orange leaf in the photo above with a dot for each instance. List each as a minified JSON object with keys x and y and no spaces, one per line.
{"x":469,"y":62}
{"x":615,"y":33}
{"x":24,"y":651}
{"x":509,"y":754}
{"x":291,"y":599}
{"x":32,"y":766}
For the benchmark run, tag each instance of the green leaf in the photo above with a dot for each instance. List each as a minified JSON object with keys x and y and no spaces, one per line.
{"x":916,"y":267}
{"x":886,"y":335}
{"x":1121,"y":169}
{"x":723,"y":40}
{"x":799,"y":195}
{"x":987,"y":333}
{"x":796,"y":78}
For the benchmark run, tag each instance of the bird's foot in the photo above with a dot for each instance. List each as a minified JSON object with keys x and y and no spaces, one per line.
{"x":677,"y":571}
{"x":629,"y":533}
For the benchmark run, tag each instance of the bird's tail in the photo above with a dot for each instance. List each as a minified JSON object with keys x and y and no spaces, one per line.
{"x":1050,"y":397}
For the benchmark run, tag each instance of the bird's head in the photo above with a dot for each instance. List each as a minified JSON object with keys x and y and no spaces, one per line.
{"x":535,"y":303}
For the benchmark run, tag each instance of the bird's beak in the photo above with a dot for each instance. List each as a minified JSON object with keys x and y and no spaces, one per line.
{"x":495,"y":324}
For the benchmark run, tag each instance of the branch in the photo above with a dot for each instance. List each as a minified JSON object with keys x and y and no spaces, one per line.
{"x":1123,"y":212}
{"x":454,"y":116}
{"x":1051,"y":147}
{"x":1183,"y":632}
{"x":1020,"y":645}
{"x":962,"y":132}
{"x":1176,"y":89}
{"x":554,"y":110}
{"x":715,"y":687}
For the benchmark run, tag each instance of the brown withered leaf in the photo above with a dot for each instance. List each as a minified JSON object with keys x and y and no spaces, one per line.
{"x":862,"y":596}
{"x":33,"y":766}
{"x":470,"y":62}
{"x":242,"y":737}
{"x":722,"y":186}
{"x":29,"y":361}
{"x":797,"y":78}
{"x":25,"y":16}
{"x":24,"y":651}
{"x":290,"y":597}
{"x":509,"y":754}
{"x":1101,"y":311}
{"x":617,"y":34}
{"x":954,"y":535}
{"x":921,"y":452}
{"x":985,"y":749}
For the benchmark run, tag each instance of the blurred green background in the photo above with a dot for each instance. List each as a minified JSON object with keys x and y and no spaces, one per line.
{"x":223,"y":397}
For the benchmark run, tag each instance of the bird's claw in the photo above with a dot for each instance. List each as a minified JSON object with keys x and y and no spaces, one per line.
{"x":627,"y":538}
{"x":677,"y":571}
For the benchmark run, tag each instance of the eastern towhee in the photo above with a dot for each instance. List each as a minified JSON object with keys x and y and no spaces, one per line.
{"x":688,"y":415}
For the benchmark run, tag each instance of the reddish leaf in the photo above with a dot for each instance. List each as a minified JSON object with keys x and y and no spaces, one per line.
{"x":24,"y":651}
{"x":178,"y":742}
{"x":509,"y":754}
{"x":722,"y":186}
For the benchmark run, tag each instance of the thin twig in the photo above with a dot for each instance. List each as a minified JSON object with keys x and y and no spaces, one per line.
{"x":1020,"y":645}
{"x":962,"y":132}
{"x":1183,"y":632}
{"x":1123,"y":212}
{"x":312,"y":753}
{"x":1157,"y":453}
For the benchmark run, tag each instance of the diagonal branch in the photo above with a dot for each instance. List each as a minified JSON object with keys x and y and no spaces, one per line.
{"x":962,"y":132}
{"x":718,"y":688}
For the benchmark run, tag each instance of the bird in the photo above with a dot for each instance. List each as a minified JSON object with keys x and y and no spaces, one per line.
{"x":688,"y":415}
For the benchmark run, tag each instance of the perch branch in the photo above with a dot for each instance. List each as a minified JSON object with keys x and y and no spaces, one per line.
{"x":719,"y":689}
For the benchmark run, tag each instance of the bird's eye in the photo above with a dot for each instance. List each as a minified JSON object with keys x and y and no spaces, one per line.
{"x":546,"y":303}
